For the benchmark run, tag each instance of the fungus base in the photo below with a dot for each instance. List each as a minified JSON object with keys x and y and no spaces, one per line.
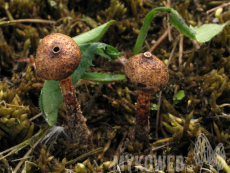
{"x":142,"y":117}
{"x":79,"y":131}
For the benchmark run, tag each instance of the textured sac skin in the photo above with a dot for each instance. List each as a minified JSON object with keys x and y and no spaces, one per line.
{"x":57,"y":57}
{"x":147,"y":73}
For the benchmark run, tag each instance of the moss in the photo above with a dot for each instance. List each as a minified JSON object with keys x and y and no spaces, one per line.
{"x":203,"y":74}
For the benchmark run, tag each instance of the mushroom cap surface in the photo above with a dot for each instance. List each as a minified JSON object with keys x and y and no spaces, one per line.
{"x":147,"y":72}
{"x":57,"y":57}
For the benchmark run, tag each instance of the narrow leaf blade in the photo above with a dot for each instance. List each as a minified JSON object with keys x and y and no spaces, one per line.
{"x":177,"y":21}
{"x":103,"y":78}
{"x":93,"y":35}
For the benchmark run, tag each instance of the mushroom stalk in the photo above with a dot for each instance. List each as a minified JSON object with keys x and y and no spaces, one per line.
{"x":142,"y":116}
{"x":76,"y":121}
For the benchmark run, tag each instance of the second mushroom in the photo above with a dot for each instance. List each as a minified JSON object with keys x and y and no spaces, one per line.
{"x":148,"y":74}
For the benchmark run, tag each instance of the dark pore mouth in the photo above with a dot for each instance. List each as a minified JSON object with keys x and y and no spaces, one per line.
{"x":56,"y":49}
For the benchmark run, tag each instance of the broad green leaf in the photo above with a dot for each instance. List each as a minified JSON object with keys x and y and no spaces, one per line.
{"x":93,"y":35}
{"x":49,"y":101}
{"x":51,"y":97}
{"x":103,"y":78}
{"x":207,"y":31}
{"x":175,"y":20}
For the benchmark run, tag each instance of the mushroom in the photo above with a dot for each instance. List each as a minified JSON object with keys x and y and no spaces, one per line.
{"x":149,"y":74}
{"x":57,"y":57}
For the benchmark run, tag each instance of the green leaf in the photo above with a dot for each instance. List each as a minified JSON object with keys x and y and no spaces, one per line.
{"x":175,"y":20}
{"x":202,"y":34}
{"x":88,"y":50}
{"x":93,"y":35}
{"x":49,"y":102}
{"x":108,"y":51}
{"x":207,"y":31}
{"x":51,"y":96}
{"x":178,"y":97}
{"x":103,"y":78}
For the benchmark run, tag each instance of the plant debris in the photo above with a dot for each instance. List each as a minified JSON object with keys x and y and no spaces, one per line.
{"x":200,"y":71}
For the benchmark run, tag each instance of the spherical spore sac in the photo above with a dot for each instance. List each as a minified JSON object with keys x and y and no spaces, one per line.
{"x":57,"y":57}
{"x":147,"y":72}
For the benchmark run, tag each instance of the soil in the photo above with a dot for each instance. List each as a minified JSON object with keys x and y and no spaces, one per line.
{"x":188,"y":118}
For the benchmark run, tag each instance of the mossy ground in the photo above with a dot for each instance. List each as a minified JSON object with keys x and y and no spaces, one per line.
{"x":202,"y":71}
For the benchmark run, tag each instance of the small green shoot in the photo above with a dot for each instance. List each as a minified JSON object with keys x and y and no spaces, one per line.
{"x":53,"y":4}
{"x":178,"y":97}
{"x":153,"y":107}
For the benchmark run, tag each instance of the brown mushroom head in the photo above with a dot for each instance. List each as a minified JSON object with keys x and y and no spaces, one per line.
{"x":147,"y":72}
{"x":57,"y":57}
